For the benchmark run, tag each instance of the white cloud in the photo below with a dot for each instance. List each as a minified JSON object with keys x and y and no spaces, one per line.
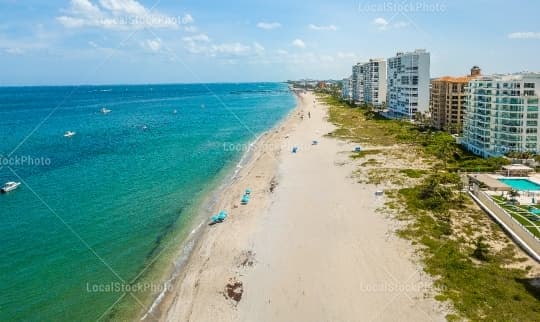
{"x":197,"y":44}
{"x":118,"y":15}
{"x":524,"y":35}
{"x":234,"y":49}
{"x":343,"y":55}
{"x":323,"y":28}
{"x":380,"y":22}
{"x":299,"y":43}
{"x":258,"y":48}
{"x":202,"y":44}
{"x":268,"y":25}
{"x":153,"y":45}
{"x":282,"y":52}
{"x":400,"y":24}
{"x":199,"y":37}
{"x":14,"y":51}
{"x":383,"y":24}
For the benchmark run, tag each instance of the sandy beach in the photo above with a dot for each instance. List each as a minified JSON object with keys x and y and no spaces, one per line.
{"x":310,"y":245}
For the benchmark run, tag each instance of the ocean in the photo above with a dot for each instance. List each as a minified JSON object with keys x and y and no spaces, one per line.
{"x":105,"y":211}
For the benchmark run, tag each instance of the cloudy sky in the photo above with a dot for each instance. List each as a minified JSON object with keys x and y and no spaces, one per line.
{"x":152,"y":41}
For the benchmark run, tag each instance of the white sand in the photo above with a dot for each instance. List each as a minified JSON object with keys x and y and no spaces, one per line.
{"x":321,"y":251}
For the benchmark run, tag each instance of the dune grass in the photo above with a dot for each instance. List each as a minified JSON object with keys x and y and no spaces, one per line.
{"x":364,"y":126}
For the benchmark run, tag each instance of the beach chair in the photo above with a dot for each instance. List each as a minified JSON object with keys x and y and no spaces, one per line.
{"x":314,"y":142}
{"x":245,"y":200}
{"x":248,"y":191}
{"x":357,"y":149}
{"x":294,"y":150}
{"x":218,"y":218}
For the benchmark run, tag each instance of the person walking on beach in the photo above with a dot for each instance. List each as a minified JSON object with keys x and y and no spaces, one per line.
{"x":309,"y":114}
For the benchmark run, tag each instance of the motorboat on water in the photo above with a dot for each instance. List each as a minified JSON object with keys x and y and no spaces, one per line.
{"x":10,"y":186}
{"x":105,"y":111}
{"x":69,"y":134}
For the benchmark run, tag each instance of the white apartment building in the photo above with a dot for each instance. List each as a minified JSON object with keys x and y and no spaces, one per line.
{"x":375,"y":82}
{"x":502,"y":115}
{"x":408,"y":84}
{"x":346,"y":90}
{"x":358,"y":83}
{"x":368,"y":82}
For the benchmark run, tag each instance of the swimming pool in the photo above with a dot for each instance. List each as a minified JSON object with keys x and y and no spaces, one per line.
{"x":521,"y":184}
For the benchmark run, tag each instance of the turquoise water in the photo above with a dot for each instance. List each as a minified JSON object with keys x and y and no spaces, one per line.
{"x":521,"y":184}
{"x":101,"y":202}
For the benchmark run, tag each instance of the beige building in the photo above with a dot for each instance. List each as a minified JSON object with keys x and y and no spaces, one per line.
{"x":447,"y":101}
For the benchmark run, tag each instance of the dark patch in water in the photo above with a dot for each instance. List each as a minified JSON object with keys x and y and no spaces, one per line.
{"x":165,"y":232}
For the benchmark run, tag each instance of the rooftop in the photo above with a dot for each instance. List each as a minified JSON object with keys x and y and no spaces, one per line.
{"x":520,"y":167}
{"x":459,"y":79}
{"x":509,"y":77}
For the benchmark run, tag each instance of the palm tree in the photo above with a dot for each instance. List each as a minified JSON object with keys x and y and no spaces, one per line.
{"x":513,"y":194}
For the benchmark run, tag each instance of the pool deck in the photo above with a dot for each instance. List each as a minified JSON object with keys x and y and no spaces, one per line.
{"x":491,"y":181}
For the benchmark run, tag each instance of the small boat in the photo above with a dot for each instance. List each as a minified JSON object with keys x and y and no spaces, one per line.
{"x":105,"y":111}
{"x":10,"y":186}
{"x":69,"y":134}
{"x":175,"y":112}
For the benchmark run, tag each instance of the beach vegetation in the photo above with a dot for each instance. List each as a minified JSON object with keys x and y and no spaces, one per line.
{"x":364,"y":125}
{"x":413,"y":173}
{"x":364,"y":153}
{"x":452,"y":235}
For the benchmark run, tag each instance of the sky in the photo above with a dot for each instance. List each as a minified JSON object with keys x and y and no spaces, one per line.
{"x":63,"y":42}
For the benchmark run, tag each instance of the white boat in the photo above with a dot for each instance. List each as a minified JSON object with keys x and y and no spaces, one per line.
{"x":175,"y":111}
{"x":105,"y":111}
{"x":69,"y":134}
{"x":10,"y":186}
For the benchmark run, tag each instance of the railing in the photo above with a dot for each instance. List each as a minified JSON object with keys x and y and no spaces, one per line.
{"x":525,"y":238}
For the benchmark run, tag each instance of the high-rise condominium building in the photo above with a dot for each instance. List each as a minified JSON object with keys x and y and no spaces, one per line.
{"x":368,"y":82}
{"x":375,"y":82}
{"x":358,"y":83}
{"x":447,"y":103}
{"x":346,"y":90}
{"x":502,"y":114}
{"x":408,"y":84}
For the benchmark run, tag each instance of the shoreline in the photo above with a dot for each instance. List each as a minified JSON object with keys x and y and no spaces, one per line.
{"x":243,"y":248}
{"x":208,"y":205}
